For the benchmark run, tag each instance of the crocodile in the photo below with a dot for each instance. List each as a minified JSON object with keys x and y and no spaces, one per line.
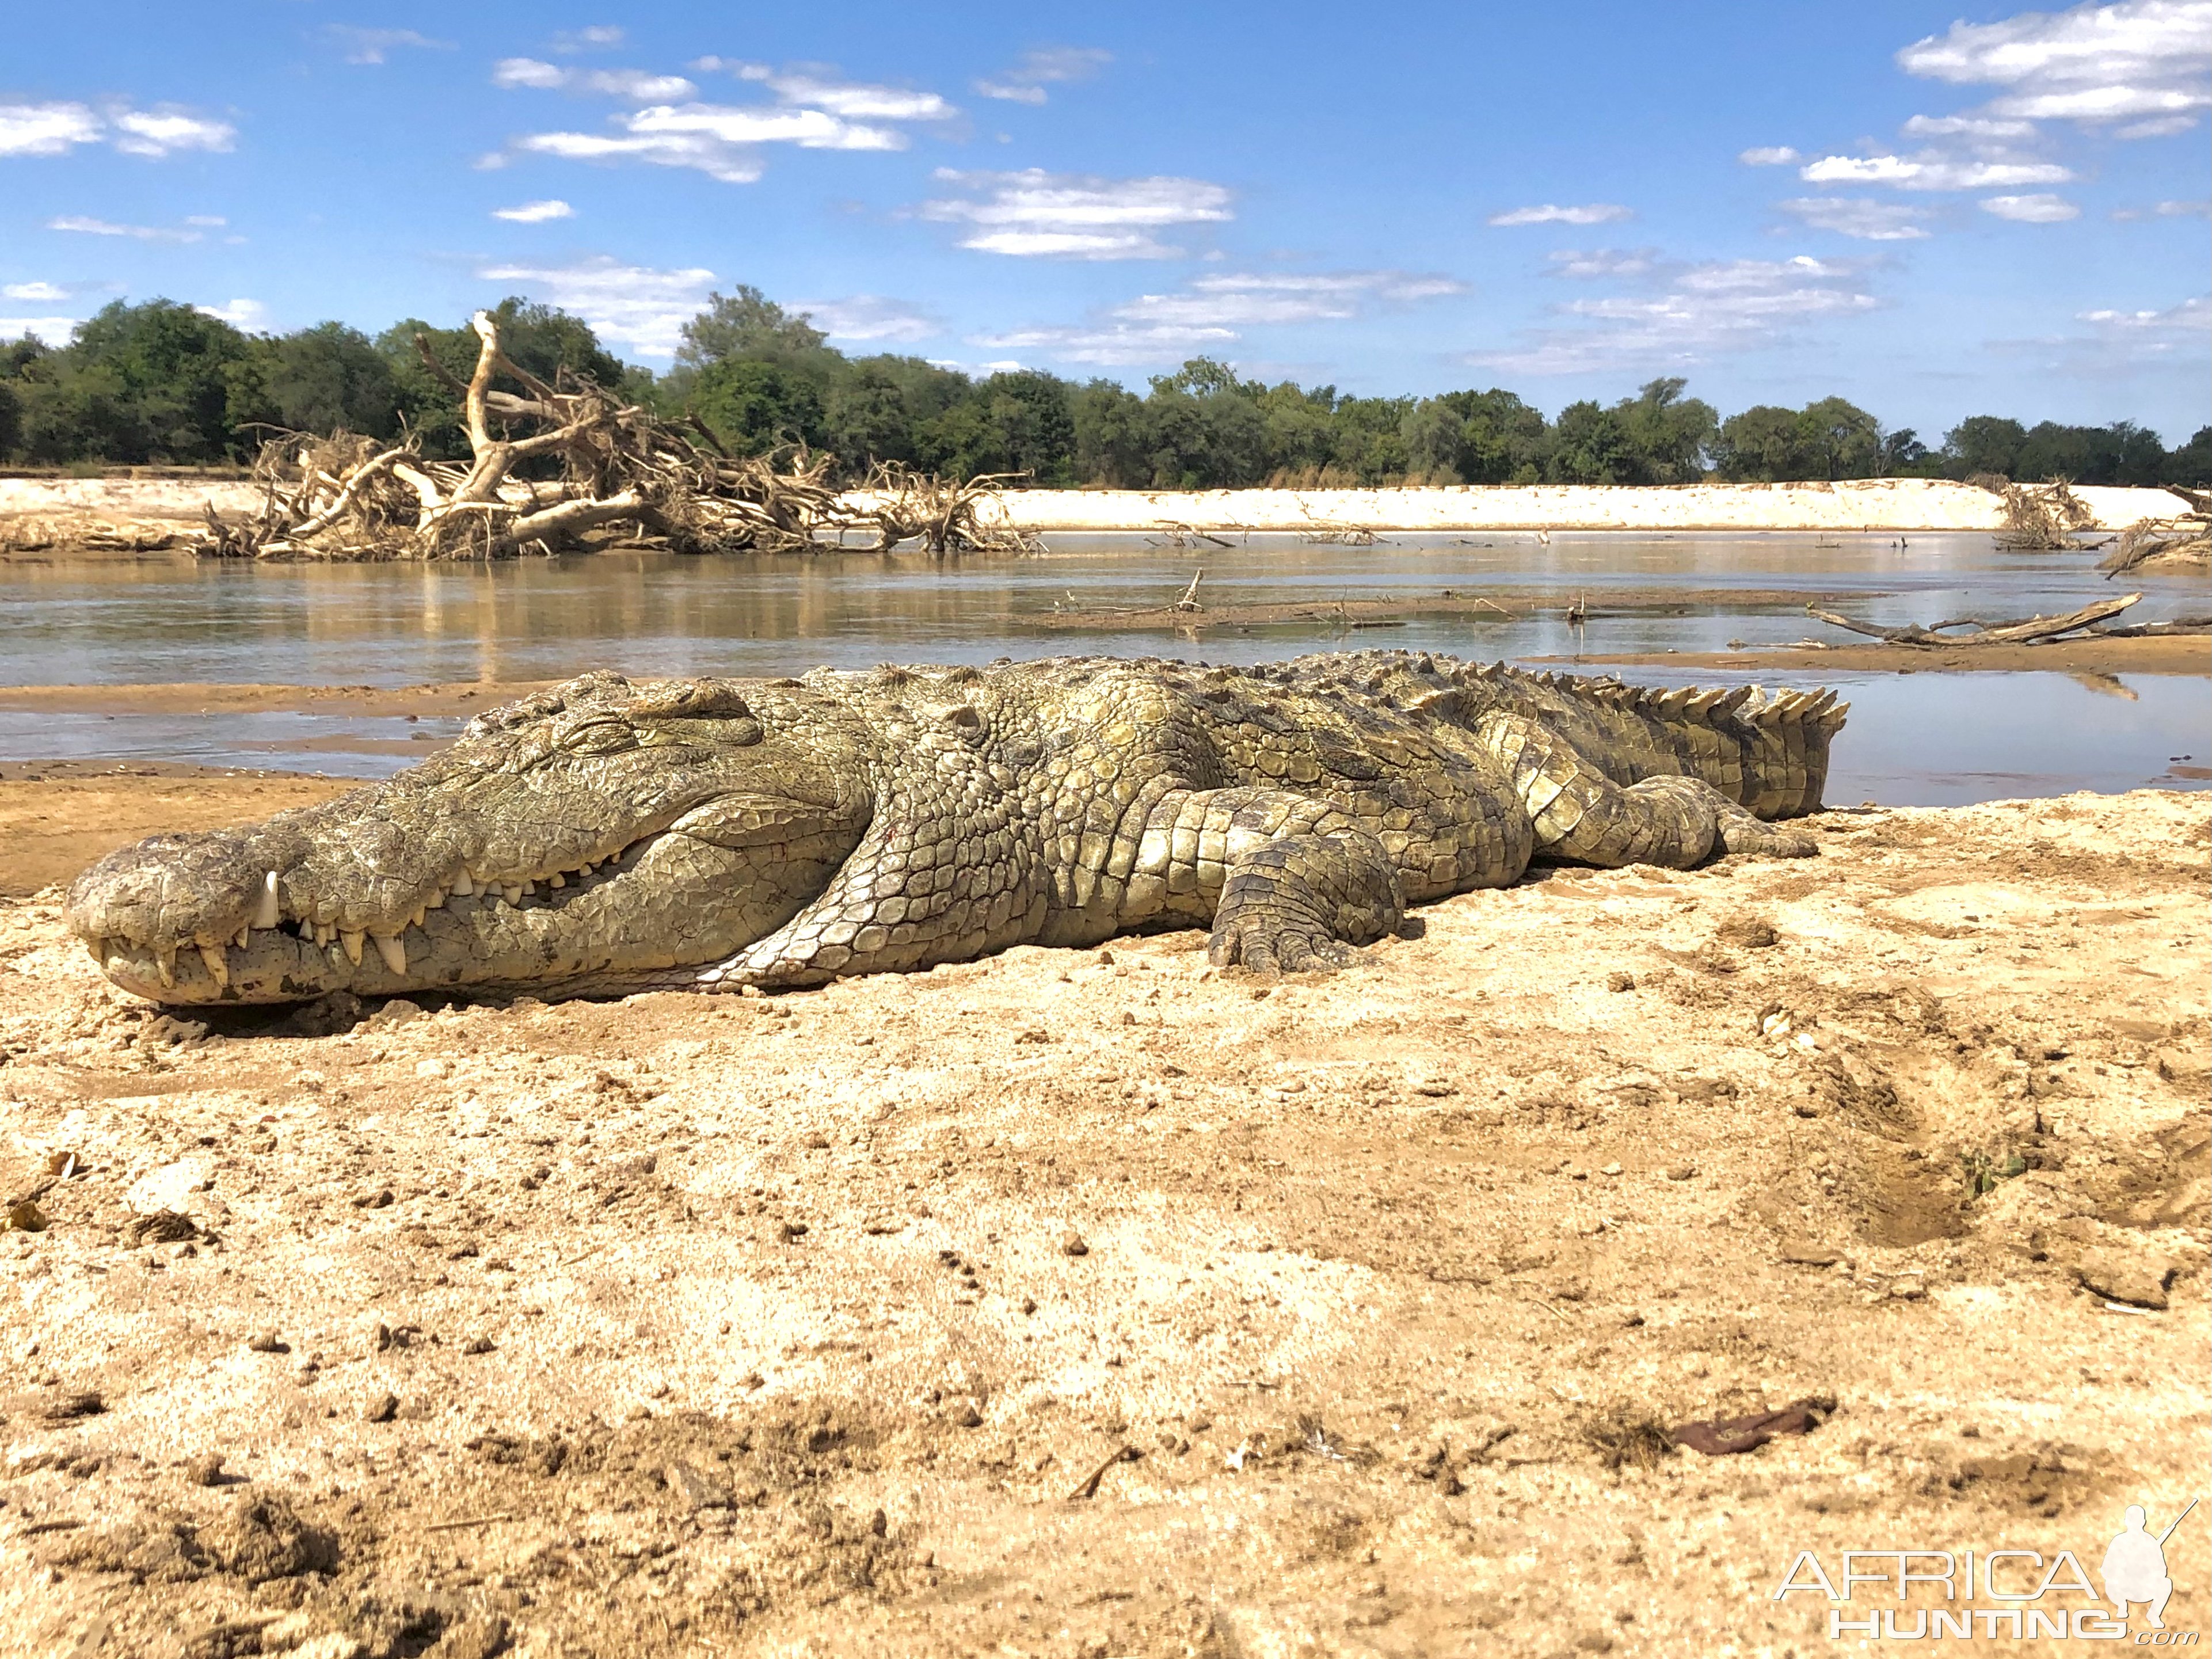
{"x":610,"y":836}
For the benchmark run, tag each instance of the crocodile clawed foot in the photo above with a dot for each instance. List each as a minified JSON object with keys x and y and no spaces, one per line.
{"x":1277,"y":949}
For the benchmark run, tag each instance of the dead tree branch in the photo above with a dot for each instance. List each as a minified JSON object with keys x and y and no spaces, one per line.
{"x":2024,"y":631}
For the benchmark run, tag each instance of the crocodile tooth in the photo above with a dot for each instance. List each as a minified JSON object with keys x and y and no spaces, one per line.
{"x":267,"y":913}
{"x":557,"y":879}
{"x":243,"y":938}
{"x":393,"y":952}
{"x":435,"y":902}
{"x":165,"y":960}
{"x":99,"y":949}
{"x":462,"y":887}
{"x":515,"y":895}
{"x":420,"y":912}
{"x":350,"y":940}
{"x":218,"y":969}
{"x":529,"y":887}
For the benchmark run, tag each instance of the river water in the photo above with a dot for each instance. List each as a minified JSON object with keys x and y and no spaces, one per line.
{"x":1912,"y":740}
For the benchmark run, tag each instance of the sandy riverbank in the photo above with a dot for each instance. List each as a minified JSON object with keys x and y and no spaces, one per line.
{"x":54,"y":516}
{"x":750,"y":1326}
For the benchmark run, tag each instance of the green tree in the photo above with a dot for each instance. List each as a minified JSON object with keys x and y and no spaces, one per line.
{"x":746,"y":324}
{"x":1984,"y":443}
{"x":1839,"y":440}
{"x":1590,"y":445}
{"x":1110,"y":439}
{"x":156,"y":381}
{"x":2191,"y":464}
{"x":758,"y":407}
{"x":1668,"y":433}
{"x":328,"y":377}
{"x":1763,"y":444}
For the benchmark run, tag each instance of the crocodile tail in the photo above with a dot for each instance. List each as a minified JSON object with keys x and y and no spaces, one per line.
{"x":1768,"y":751}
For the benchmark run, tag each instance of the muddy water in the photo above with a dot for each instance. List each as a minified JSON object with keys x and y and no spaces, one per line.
{"x":1922,"y":739}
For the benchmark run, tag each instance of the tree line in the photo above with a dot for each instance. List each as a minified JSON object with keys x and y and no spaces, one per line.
{"x":160,"y":381}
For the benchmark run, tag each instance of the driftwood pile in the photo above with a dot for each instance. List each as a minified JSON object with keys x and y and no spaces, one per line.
{"x":2184,"y":539}
{"x":2041,"y":517}
{"x":568,"y":467}
{"x":2019,"y":631}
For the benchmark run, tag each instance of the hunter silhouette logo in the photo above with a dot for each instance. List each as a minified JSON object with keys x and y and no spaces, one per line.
{"x":2135,"y":1566}
{"x":2021,"y":1594}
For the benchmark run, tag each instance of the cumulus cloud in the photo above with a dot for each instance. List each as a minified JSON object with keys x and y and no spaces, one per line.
{"x":52,"y":129}
{"x":634,"y":86}
{"x":859,"y":101}
{"x":375,"y":46}
{"x":535,"y":213}
{"x":1209,"y":312}
{"x":1768,"y":156}
{"x":1690,"y":313}
{"x":239,"y":314}
{"x":2094,"y":64}
{"x":1593,"y":213}
{"x":871,"y":317}
{"x":1862,"y":217}
{"x":2166,"y":210}
{"x":2042,"y":208}
{"x":1968,"y":126}
{"x":84,"y":225}
{"x":1033,"y":213}
{"x":812,"y":111}
{"x":1026,"y":81}
{"x":1930,"y":170}
{"x":1585,"y":264}
{"x":644,"y":308}
{"x":41,"y":292}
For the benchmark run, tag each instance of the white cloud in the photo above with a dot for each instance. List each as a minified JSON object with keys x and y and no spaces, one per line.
{"x":1585,"y":264}
{"x":374,"y":46}
{"x":1931,"y":171}
{"x":2092,"y":64}
{"x":641,"y":307}
{"x":2043,"y":209}
{"x":812,"y":111}
{"x":871,"y":317}
{"x":1701,"y":309}
{"x":46,"y":129}
{"x":535,"y":213}
{"x":1768,"y":156}
{"x":44,"y":291}
{"x":859,"y":101}
{"x":2191,"y":318}
{"x":1859,"y":216}
{"x":1112,"y":343}
{"x":1967,"y":127}
{"x":1070,"y":216}
{"x":634,"y":86}
{"x":52,"y":129}
{"x":84,"y":225}
{"x":1239,"y":300}
{"x":1594,"y":213}
{"x":54,"y":331}
{"x":1025,"y":83}
{"x":1211,"y":311}
{"x":528,"y":72}
{"x":210,"y":221}
{"x":596,"y":38}
{"x":163,"y":131}
{"x":239,"y":314}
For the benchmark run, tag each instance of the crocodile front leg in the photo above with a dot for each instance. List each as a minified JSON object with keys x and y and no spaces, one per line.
{"x":1288,"y":882}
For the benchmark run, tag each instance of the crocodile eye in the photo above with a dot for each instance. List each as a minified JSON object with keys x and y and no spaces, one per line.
{"x":599,"y":737}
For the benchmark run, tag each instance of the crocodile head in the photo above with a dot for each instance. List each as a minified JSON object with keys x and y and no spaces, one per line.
{"x":594,"y":836}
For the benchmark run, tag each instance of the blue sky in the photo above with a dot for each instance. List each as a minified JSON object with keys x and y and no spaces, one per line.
{"x":1933,"y":213}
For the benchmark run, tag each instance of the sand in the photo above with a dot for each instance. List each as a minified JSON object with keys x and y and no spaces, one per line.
{"x":59,"y":517}
{"x":1101,"y":1303}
